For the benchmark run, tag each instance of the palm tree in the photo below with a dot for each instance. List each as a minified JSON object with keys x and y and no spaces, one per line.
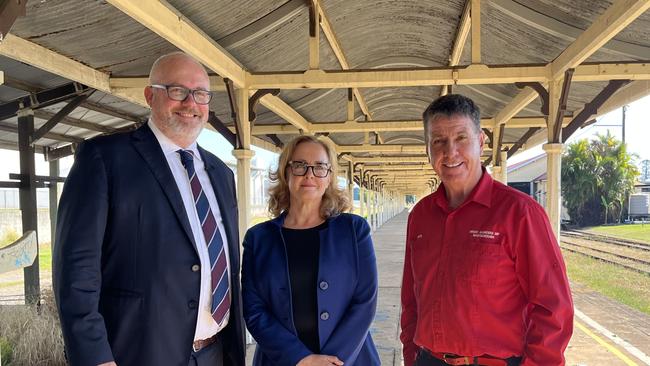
{"x":597,"y":175}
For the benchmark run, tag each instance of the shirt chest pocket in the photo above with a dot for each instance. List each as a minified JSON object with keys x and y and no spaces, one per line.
{"x":423,"y":260}
{"x":483,"y":260}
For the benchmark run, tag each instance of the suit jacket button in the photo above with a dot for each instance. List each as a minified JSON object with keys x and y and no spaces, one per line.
{"x":324,"y":315}
{"x":195,"y":268}
{"x":323,"y":285}
{"x":192,"y":304}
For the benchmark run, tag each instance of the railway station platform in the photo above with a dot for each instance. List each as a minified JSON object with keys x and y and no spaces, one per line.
{"x":605,"y":333}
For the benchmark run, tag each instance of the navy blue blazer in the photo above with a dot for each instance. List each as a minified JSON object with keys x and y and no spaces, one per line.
{"x":347,"y":293}
{"x":123,"y":274}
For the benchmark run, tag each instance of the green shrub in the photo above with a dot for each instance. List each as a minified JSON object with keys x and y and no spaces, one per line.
{"x":8,"y":236}
{"x":6,"y":352}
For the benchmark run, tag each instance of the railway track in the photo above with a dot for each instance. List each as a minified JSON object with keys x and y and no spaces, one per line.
{"x":624,"y":253}
{"x":12,"y":299}
{"x":606,"y":239}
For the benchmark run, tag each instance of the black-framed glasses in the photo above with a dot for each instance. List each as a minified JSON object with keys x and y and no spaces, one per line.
{"x":180,"y":93}
{"x":300,"y":168}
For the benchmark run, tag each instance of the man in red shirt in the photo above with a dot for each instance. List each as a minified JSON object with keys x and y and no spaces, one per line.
{"x":484,"y":281}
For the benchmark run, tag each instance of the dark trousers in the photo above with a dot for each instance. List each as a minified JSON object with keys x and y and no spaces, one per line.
{"x":426,"y":359}
{"x":211,"y":355}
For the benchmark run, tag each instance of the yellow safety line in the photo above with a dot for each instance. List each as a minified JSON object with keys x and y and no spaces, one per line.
{"x":609,"y":347}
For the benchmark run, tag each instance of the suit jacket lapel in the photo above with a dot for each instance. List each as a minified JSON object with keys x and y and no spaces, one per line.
{"x":146,"y":144}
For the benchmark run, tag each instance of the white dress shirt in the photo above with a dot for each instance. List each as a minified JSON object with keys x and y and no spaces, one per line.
{"x":206,"y":327}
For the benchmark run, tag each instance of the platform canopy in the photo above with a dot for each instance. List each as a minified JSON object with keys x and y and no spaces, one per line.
{"x":357,"y":73}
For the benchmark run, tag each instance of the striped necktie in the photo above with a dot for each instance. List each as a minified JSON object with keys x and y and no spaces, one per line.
{"x":218,"y":264}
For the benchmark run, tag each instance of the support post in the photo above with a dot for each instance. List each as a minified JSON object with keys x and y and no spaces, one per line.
{"x":553,"y":158}
{"x":350,"y":105}
{"x":553,"y":194}
{"x":54,"y":199}
{"x":496,"y":173}
{"x":28,"y":199}
{"x":362,"y":193}
{"x":244,"y":155}
{"x":380,"y":198}
{"x":374,"y":208}
{"x":504,"y":167}
{"x":351,"y":182}
{"x":475,"y":17}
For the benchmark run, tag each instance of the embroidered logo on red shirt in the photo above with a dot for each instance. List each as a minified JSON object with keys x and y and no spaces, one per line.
{"x":489,"y":236}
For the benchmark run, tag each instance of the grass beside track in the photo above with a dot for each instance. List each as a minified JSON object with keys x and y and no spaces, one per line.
{"x":639,"y":232}
{"x":621,"y":284}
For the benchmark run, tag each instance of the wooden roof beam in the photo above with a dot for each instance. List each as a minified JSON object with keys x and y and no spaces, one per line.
{"x":166,"y":21}
{"x":392,"y":159}
{"x":339,"y":127}
{"x":462,"y":32}
{"x":334,"y":43}
{"x":314,"y":35}
{"x":32,"y":54}
{"x":609,"y":24}
{"x":375,"y":78}
{"x":612,"y":21}
{"x":8,"y":127}
{"x":626,"y":95}
{"x":476,"y":31}
{"x":75,"y":122}
{"x":568,"y":32}
{"x":407,"y":173}
{"x":592,"y":107}
{"x":9,"y":11}
{"x":427,"y":76}
{"x":50,"y":61}
{"x":172,"y":25}
{"x":140,"y":82}
{"x":400,"y":168}
{"x":58,"y":116}
{"x":383,"y":148}
{"x":385,"y":126}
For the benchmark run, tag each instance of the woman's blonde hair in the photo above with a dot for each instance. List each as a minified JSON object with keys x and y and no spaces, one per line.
{"x":334,"y":201}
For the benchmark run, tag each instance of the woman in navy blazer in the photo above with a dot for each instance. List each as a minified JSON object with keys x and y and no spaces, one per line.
{"x":309,"y":276}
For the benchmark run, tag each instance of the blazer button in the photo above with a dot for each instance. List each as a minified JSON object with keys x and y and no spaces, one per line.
{"x":192,"y":304}
{"x":195,"y":268}
{"x":324,"y":315}
{"x":323,"y":285}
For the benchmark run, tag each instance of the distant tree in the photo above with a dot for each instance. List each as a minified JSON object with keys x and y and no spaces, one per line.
{"x":597,"y":176}
{"x":645,"y":171}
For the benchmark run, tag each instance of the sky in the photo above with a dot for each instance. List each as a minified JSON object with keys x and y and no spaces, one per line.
{"x":637,"y":136}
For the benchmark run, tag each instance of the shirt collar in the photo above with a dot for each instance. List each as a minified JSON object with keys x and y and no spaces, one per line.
{"x":481,"y":194}
{"x":168,"y":146}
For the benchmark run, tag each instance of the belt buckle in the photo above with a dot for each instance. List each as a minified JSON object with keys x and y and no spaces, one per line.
{"x":202,"y":343}
{"x":456,"y":358}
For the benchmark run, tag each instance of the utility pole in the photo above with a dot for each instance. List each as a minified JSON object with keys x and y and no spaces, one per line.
{"x":623,"y":124}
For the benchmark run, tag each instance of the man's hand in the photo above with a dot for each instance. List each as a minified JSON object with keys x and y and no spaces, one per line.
{"x":320,"y":360}
{"x":108,"y":364}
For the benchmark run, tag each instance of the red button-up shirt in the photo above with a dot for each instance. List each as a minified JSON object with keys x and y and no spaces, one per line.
{"x":486,"y":278}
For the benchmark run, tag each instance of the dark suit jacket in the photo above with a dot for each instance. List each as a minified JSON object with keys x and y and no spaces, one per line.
{"x":346,"y":297}
{"x":124,"y":252}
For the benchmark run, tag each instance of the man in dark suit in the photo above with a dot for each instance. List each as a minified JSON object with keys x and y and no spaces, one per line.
{"x":146,"y":265}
